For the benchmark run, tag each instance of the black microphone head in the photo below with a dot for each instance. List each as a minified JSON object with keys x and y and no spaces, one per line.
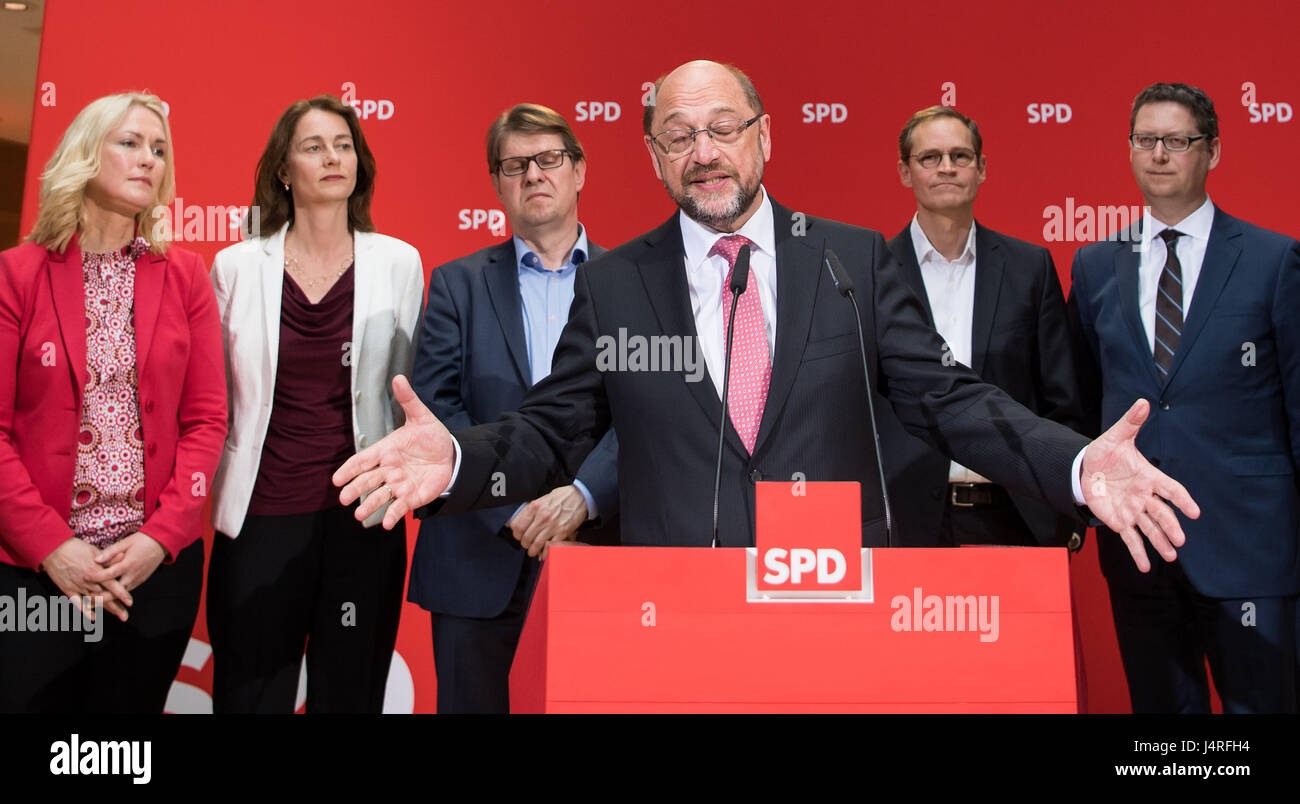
{"x":843,"y":282}
{"x":740,"y":274}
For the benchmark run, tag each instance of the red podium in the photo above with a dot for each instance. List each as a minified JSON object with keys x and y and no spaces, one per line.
{"x":646,"y":629}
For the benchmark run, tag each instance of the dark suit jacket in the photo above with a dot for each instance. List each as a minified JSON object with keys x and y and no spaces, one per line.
{"x":1226,"y":422}
{"x":814,"y":420}
{"x":471,"y":365}
{"x":1020,"y":343}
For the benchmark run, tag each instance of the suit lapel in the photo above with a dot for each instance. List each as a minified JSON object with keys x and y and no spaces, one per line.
{"x":366,"y":279}
{"x":68,"y":288}
{"x":271,"y":269}
{"x":1127,"y":262}
{"x":910,"y":269}
{"x":150,"y":274}
{"x":1221,"y":255}
{"x":989,"y":268}
{"x":501,"y":273}
{"x":663,"y":274}
{"x":798,"y":271}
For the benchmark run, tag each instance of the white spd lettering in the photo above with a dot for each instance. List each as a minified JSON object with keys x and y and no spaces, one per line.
{"x":609,"y":111}
{"x":1264,"y":112}
{"x":790,"y":566}
{"x":370,"y":107}
{"x":495,"y":219}
{"x":1050,"y":112}
{"x":819,"y":112}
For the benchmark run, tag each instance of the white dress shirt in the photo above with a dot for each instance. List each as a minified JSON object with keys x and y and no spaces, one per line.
{"x":950,"y":286}
{"x":1190,"y":247}
{"x":705,"y":275}
{"x":1191,"y":253}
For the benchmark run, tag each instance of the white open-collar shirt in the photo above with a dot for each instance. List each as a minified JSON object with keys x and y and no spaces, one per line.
{"x":950,"y":287}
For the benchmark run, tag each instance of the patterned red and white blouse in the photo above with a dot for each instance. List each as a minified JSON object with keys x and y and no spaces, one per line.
{"x":108,"y":485}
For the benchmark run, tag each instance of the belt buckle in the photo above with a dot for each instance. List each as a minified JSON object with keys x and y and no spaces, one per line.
{"x":955,"y":487}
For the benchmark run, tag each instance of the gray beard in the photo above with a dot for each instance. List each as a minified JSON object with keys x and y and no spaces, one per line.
{"x":722,"y":221}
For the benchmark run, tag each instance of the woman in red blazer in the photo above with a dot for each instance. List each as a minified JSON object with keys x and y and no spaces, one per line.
{"x":112,"y":417}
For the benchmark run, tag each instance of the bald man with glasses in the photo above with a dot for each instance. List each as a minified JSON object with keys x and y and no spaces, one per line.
{"x":797,"y":399}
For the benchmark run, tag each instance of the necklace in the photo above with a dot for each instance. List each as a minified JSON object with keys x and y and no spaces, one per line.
{"x":292,"y":265}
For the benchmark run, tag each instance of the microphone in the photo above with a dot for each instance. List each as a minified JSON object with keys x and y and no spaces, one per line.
{"x":844,"y":284}
{"x":740,"y":276}
{"x":739,"y":281}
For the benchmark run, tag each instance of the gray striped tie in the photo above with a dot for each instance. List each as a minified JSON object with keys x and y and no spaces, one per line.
{"x":1169,"y":305}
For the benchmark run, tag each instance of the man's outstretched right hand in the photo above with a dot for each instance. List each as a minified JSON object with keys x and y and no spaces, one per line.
{"x":411,"y":466}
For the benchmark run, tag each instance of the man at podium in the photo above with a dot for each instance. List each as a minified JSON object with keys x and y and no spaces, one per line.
{"x":797,"y":397}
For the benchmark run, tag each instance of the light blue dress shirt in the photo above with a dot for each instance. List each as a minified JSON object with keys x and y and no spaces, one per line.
{"x":545,"y":297}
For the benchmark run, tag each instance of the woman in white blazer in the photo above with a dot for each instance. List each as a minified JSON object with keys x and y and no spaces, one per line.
{"x":318,"y":317}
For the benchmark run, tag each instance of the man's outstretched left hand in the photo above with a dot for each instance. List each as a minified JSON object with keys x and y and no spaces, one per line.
{"x":1130,"y":495}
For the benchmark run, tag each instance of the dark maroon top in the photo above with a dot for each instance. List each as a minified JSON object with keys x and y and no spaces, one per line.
{"x":310,"y":432}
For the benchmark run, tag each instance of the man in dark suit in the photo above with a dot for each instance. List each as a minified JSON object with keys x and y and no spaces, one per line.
{"x":998,"y":305}
{"x":797,"y":399}
{"x":1200,"y":312}
{"x":490,"y":328}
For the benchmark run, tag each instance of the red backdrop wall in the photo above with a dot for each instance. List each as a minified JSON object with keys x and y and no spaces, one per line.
{"x":429,"y":78}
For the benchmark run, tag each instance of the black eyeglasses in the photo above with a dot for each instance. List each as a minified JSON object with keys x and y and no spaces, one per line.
{"x":546,"y":160}
{"x":959,"y":157}
{"x":1172,"y":142}
{"x":677,"y":141}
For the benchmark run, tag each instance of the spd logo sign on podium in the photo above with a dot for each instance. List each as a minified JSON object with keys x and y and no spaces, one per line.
{"x":809,"y":544}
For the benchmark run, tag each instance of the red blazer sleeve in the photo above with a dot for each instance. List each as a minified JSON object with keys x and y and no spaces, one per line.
{"x":198,"y":411}
{"x":30,"y":528}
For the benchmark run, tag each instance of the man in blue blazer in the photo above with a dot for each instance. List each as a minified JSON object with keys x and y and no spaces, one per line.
{"x":1200,"y":313}
{"x":490,"y":328}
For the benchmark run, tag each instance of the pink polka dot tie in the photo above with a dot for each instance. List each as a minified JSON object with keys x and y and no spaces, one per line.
{"x":751,"y":369}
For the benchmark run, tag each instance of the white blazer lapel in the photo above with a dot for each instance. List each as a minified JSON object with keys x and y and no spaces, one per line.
{"x":364,"y":275}
{"x":272,"y":270}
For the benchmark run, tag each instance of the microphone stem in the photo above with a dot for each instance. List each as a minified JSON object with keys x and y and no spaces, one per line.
{"x":722,"y":426}
{"x":875,"y":432}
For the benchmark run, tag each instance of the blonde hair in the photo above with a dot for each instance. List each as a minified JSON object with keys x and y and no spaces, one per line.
{"x":76,"y":161}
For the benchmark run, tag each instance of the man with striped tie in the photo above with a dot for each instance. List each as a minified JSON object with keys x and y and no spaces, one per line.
{"x":1200,"y":312}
